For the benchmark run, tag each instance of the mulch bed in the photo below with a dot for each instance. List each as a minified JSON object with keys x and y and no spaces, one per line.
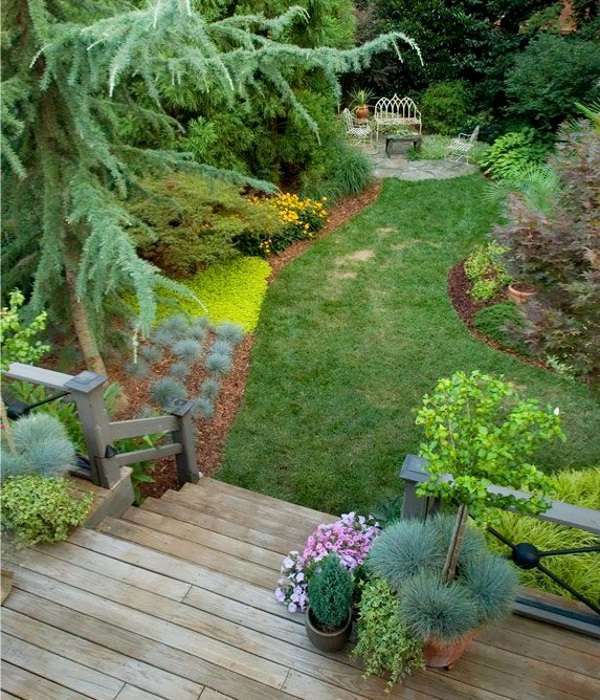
{"x":459,"y":288}
{"x":213,"y":433}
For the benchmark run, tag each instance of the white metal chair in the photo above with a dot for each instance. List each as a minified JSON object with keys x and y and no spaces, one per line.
{"x":396,"y":111}
{"x":460,"y":147}
{"x":357,"y":128}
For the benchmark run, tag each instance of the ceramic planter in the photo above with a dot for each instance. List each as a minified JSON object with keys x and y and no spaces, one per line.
{"x":520,"y":292}
{"x":440,"y":655}
{"x":362,"y":112}
{"x":328,"y":641}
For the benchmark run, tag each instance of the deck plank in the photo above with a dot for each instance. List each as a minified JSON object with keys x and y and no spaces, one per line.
{"x":56,"y":668}
{"x":94,"y":656}
{"x":130,"y":692}
{"x":207,"y":538}
{"x":130,"y":643}
{"x":189,"y":514}
{"x":189,"y":551}
{"x":28,"y":686}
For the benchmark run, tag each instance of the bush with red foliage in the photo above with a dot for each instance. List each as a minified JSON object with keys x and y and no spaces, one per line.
{"x":559,"y":253}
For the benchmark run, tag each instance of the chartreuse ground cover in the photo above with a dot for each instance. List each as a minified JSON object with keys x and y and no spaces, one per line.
{"x":232,"y":291}
{"x":351,"y":336}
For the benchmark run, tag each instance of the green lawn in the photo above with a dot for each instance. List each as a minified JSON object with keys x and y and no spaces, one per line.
{"x":353,"y":333}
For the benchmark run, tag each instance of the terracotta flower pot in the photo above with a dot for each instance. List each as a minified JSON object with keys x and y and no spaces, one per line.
{"x":328,"y":641}
{"x":440,"y":655}
{"x":362,"y":112}
{"x":520,"y":292}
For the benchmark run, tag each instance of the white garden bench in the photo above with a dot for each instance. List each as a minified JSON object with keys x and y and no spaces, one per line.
{"x":460,"y":147}
{"x":396,"y":112}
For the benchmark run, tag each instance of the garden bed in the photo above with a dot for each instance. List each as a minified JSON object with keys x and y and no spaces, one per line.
{"x":213,"y":431}
{"x":466,"y":307}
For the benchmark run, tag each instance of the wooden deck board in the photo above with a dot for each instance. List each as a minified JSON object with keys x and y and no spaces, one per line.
{"x":175,"y":600}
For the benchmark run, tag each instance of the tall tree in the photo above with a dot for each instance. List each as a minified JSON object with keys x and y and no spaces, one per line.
{"x":66,"y":86}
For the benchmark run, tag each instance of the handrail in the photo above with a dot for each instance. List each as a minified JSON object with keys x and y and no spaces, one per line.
{"x":87,"y":389}
{"x":414,"y":472}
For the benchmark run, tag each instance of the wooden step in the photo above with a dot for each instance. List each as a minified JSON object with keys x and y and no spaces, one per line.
{"x":241,"y":515}
{"x":191,"y":552}
{"x":206,"y":538}
{"x":190,"y":514}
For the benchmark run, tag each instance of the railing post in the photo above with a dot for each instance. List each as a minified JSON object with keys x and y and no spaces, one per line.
{"x":187,"y":459}
{"x":414,"y":506}
{"x":87,"y":391}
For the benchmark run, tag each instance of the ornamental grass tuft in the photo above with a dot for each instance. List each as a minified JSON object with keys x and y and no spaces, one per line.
{"x":187,"y":350}
{"x":218,"y":363}
{"x":204,"y":406}
{"x":436,"y":610}
{"x":179,"y":370}
{"x":167,"y":390}
{"x":230,"y":333}
{"x":151,"y":353}
{"x":210,"y":387}
{"x":492,"y":583}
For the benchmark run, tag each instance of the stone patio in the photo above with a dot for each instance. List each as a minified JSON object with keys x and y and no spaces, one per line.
{"x":400,"y":167}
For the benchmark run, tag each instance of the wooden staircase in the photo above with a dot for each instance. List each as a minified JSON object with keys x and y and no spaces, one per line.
{"x":175,"y":600}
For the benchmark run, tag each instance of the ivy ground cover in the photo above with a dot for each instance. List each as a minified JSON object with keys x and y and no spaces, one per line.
{"x":354,"y":332}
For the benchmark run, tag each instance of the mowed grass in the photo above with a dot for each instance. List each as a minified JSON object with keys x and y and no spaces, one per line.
{"x":354,"y":333}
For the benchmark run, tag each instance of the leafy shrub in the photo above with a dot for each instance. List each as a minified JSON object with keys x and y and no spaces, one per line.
{"x":513,"y":153}
{"x":500,"y":322}
{"x":581,"y":571}
{"x":41,"y":446}
{"x":549,"y":76}
{"x":19,"y":341}
{"x":330,"y":593}
{"x":486,"y":271}
{"x":39,"y":509}
{"x":231,"y":291}
{"x":445,"y":107}
{"x":558,"y":253}
{"x":189,"y":222}
{"x":383,"y":640}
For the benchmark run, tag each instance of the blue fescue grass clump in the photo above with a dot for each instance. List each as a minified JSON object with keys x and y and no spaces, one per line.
{"x":178,"y":326}
{"x":432,"y":609}
{"x":179,"y":370}
{"x":167,"y":390}
{"x":198,"y":328}
{"x":163,"y":337}
{"x":210,"y":387}
{"x":409,"y":546}
{"x":187,"y":350}
{"x":222,"y":347}
{"x":204,"y":406}
{"x":138,"y":369}
{"x":151,"y":353}
{"x":42,"y":447}
{"x":492,"y":583}
{"x":218,"y":363}
{"x":230,"y":332}
{"x":403,"y":550}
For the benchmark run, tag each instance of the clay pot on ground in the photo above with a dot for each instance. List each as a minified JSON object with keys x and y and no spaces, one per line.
{"x":441,"y":655}
{"x":362,"y":112}
{"x":520,"y":292}
{"x":328,"y":641}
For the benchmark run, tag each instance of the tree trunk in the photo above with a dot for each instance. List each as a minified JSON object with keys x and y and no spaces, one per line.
{"x":85,"y":336}
{"x":458,"y":535}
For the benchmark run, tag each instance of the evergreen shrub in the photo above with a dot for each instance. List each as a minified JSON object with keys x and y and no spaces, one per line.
{"x":445,"y":107}
{"x":502,"y":322}
{"x":330,"y":592}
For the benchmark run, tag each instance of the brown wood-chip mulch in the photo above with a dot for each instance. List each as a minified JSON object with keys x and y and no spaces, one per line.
{"x":213,"y":432}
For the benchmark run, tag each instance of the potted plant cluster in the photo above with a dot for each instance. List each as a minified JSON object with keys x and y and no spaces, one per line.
{"x":360,"y":103}
{"x":437,"y":581}
{"x":329,"y":613}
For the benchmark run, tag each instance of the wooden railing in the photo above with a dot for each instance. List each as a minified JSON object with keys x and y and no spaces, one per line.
{"x":528,"y":603}
{"x":86,"y":390}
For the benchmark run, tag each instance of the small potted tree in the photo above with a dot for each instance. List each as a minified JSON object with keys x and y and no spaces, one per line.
{"x":360,"y":103}
{"x":480,"y":432}
{"x":329,"y":614}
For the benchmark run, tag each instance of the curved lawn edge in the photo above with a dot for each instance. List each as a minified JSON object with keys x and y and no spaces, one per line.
{"x":213,"y":432}
{"x":350,"y":338}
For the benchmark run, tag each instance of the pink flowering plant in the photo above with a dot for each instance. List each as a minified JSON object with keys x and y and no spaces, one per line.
{"x":350,"y":538}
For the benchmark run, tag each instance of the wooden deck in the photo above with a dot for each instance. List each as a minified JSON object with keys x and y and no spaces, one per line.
{"x":175,"y":600}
